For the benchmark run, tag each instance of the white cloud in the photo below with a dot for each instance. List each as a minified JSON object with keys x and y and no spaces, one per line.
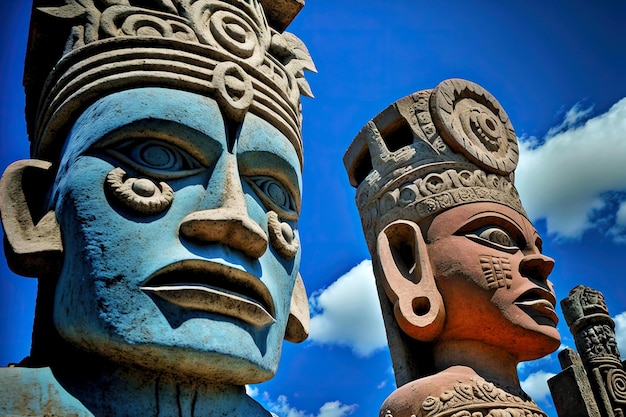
{"x":335,"y":409}
{"x":252,"y":391}
{"x":572,"y":117}
{"x":282,"y":408}
{"x":618,"y":231}
{"x":563,"y":179}
{"x":620,"y":217}
{"x":620,"y":332}
{"x":349,"y":313}
{"x":536,"y":385}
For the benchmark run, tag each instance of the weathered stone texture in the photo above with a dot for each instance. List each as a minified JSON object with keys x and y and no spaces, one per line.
{"x":595,"y":375}
{"x":461,"y":279}
{"x":160,"y":209}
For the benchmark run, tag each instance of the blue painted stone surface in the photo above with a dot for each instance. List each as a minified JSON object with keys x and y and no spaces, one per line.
{"x":127,"y":341}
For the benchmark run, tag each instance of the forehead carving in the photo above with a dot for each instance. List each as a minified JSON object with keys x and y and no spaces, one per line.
{"x":231,"y":50}
{"x":430,"y":151}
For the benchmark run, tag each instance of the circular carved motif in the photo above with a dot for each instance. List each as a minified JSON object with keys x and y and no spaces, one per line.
{"x":139,"y":194}
{"x":472,"y":122}
{"x":282,"y":236}
{"x":235,"y":29}
{"x":234,"y":34}
{"x":616,"y":381}
{"x":234,"y":88}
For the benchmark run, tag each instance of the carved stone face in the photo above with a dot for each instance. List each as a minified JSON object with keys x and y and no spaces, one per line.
{"x":487,"y":263}
{"x":165,"y":227}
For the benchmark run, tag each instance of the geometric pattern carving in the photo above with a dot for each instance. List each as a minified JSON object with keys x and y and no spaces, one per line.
{"x":497,"y":271}
{"x":478,"y":398}
{"x":590,"y":323}
{"x":616,"y":382}
{"x":473,"y":123}
{"x":223,"y":49}
{"x":431,"y":151}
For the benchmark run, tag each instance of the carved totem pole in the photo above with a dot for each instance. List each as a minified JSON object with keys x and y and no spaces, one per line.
{"x":160,"y":209}
{"x":461,"y":279}
{"x":593,"y":381}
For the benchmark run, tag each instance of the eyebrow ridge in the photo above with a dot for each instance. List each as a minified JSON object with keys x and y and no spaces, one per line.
{"x":497,"y":214}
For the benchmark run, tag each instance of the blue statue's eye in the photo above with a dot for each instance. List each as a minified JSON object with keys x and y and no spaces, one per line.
{"x":161,"y":156}
{"x":274,"y":195}
{"x":278,"y":194}
{"x":155,"y":158}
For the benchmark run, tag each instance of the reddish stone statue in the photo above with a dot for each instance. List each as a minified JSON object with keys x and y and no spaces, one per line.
{"x":462,"y":281}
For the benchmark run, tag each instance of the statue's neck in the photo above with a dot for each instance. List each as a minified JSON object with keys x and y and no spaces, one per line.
{"x":114,"y":390}
{"x":489,"y":362}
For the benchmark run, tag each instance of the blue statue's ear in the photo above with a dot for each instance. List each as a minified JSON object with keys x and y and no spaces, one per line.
{"x":299,"y":319}
{"x":32,"y":241}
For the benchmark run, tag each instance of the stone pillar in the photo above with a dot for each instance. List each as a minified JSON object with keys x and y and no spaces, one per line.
{"x":593,"y":381}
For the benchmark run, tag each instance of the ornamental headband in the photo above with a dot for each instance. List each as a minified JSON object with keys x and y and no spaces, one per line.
{"x":234,"y":51}
{"x":430,"y":151}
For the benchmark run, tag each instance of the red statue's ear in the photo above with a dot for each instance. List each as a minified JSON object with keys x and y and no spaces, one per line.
{"x":33,"y":244}
{"x":409,"y":282}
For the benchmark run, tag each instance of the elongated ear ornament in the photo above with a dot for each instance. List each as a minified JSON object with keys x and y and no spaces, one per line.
{"x":299,"y":320}
{"x":409,"y":282}
{"x":33,"y":243}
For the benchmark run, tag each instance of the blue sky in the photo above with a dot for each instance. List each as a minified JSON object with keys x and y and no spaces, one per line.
{"x":559,"y":70}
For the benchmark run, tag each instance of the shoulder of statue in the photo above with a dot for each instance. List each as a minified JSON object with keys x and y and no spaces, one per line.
{"x":447,"y":393}
{"x":35,"y":391}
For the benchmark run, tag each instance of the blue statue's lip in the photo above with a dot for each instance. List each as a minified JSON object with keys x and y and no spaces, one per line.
{"x":214,"y":288}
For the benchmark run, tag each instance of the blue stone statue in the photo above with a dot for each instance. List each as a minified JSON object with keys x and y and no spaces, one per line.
{"x":160,"y":209}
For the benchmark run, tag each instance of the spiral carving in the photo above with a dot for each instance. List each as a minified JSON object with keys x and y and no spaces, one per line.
{"x":133,"y":21}
{"x":472,"y":122}
{"x":616,"y":382}
{"x":232,"y":29}
{"x":139,"y":194}
{"x":282,"y":236}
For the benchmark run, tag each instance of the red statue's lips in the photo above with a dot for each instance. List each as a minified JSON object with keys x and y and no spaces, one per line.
{"x":540,"y":302}
{"x":214,"y":288}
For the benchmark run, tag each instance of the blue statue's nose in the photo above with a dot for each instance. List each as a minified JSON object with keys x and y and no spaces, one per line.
{"x":223,"y":217}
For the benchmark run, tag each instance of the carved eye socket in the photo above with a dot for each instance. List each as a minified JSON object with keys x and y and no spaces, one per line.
{"x":274,"y":195}
{"x":497,"y":235}
{"x":156,"y":158}
{"x":494,"y":237}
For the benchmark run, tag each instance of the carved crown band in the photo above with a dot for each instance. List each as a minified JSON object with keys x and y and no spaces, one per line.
{"x":223,"y":49}
{"x":417,"y":195}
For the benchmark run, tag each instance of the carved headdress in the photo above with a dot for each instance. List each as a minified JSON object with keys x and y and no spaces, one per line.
{"x":430,"y":151}
{"x":235,"y":51}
